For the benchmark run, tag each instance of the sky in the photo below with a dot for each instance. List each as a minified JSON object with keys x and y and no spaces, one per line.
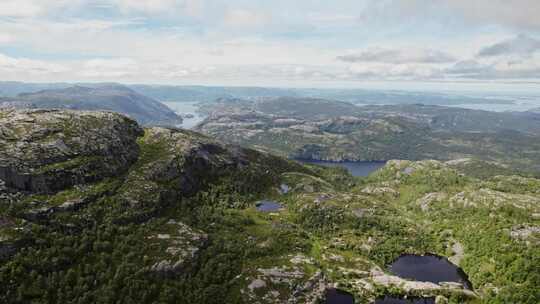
{"x":301,"y":43}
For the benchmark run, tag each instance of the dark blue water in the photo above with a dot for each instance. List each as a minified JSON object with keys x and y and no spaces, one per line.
{"x":393,"y":300}
{"x":336,"y":296}
{"x":268,"y":206}
{"x":429,"y":268}
{"x":363,"y":168}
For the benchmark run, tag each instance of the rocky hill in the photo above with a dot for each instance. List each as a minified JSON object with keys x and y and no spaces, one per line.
{"x":337,"y":131}
{"x":460,"y":120}
{"x":96,"y":209}
{"x":108,"y":97}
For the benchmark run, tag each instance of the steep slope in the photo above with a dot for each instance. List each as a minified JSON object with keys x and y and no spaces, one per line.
{"x":44,"y":151}
{"x":116,"y":98}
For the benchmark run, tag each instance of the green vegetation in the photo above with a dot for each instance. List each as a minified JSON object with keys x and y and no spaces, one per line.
{"x":329,"y":130}
{"x":180,"y":226}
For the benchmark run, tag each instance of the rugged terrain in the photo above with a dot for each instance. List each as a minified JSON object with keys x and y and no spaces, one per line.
{"x":108,"y":97}
{"x":95,"y":209}
{"x":337,"y":131}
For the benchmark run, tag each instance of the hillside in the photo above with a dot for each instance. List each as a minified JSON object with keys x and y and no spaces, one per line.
{"x":116,"y":98}
{"x":96,"y":209}
{"x":338,"y":131}
{"x":457,"y":119}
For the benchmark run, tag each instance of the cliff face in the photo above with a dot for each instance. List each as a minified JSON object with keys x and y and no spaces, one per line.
{"x":44,"y":151}
{"x":58,"y":163}
{"x":47,"y":151}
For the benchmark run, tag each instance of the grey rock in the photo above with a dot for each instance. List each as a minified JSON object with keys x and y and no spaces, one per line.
{"x":45,"y":151}
{"x":183,"y":248}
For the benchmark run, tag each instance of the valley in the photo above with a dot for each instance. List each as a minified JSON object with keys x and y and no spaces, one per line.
{"x":172,"y":215}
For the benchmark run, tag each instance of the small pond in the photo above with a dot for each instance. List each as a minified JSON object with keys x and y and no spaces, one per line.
{"x":429,"y":268}
{"x":268,"y":206}
{"x":394,"y":300}
{"x":362,"y":168}
{"x":337,"y":296}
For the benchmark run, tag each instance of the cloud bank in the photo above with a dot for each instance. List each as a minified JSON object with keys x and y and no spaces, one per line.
{"x":199,"y":41}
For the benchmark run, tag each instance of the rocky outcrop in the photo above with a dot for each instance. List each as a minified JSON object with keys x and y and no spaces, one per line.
{"x":458,"y":253}
{"x":44,"y":151}
{"x":527,"y":233}
{"x":182,"y":245}
{"x":384,"y":191}
{"x":429,"y":199}
{"x":377,"y":278}
{"x":494,"y":199}
{"x":177,"y":163}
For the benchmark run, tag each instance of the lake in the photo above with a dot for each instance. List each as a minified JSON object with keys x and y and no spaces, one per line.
{"x":268,"y":206}
{"x":183,"y":108}
{"x":337,"y":296}
{"x":361,"y":168}
{"x":429,"y":268}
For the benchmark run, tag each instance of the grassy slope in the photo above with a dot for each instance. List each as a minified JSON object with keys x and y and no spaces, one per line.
{"x":85,"y":256}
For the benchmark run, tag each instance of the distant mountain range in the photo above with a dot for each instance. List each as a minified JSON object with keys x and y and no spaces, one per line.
{"x":211,"y":93}
{"x":358,"y":96}
{"x":110,"y":97}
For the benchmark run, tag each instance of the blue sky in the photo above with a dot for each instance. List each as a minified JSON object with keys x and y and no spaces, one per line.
{"x":489,"y":43}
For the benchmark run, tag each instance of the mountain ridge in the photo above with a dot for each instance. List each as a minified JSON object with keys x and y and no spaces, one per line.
{"x":111,"y":97}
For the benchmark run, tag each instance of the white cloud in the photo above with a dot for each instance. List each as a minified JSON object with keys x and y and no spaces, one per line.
{"x":35,"y":8}
{"x":173,"y":8}
{"x":110,"y":68}
{"x":332,"y":18}
{"x":20,"y":8}
{"x":385,"y":71}
{"x":245,"y":18}
{"x":526,"y":68}
{"x":520,"y":45}
{"x":25,"y":66}
{"x":197,"y":40}
{"x":150,"y":6}
{"x":398,"y":56}
{"x":515,"y":13}
{"x":6,"y":38}
{"x":521,"y":14}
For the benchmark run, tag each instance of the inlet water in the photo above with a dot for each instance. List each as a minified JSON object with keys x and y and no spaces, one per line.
{"x":337,"y":296}
{"x":362,"y":168}
{"x":183,"y":108}
{"x":429,"y":268}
